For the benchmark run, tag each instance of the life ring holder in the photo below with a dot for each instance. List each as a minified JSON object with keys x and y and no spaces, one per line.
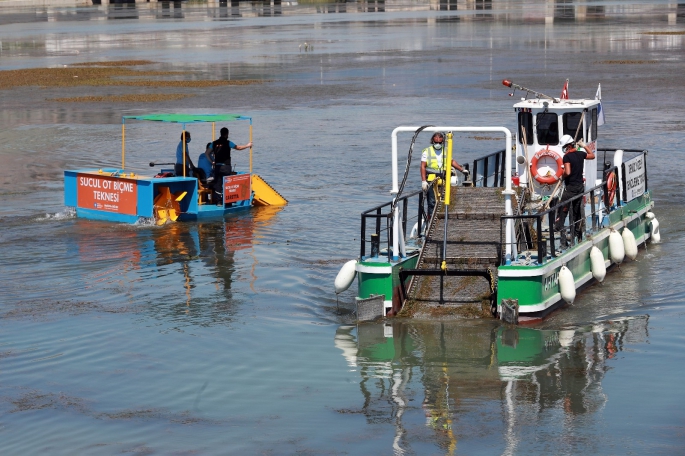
{"x":548,"y":178}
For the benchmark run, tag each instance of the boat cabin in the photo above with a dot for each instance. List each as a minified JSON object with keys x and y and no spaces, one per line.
{"x":540,"y":125}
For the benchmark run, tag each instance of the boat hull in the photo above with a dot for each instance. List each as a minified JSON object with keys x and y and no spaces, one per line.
{"x":114,"y":196}
{"x":536,"y":288}
{"x":377,"y":276}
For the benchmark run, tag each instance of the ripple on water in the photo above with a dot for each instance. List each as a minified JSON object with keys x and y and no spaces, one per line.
{"x":225,"y":337}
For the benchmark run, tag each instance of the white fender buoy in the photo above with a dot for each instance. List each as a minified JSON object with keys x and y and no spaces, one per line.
{"x":414,"y":231}
{"x":629,"y":244}
{"x":616,"y":250}
{"x":567,"y":286}
{"x":599,"y":269}
{"x":655,"y":236}
{"x":345,"y":277}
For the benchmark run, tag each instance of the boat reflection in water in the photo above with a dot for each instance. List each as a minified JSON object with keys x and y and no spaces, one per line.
{"x":476,"y":379}
{"x":210,"y":246}
{"x":194,"y":265}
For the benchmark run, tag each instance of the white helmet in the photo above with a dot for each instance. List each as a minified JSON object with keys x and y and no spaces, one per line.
{"x":565,"y":140}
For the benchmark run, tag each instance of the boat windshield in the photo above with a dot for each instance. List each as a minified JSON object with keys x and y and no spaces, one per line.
{"x":547,"y":128}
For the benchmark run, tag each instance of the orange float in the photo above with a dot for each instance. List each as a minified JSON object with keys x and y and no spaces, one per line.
{"x":612,"y":184}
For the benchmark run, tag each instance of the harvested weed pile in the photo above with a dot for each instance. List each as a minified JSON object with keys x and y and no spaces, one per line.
{"x":131,"y":98}
{"x":101,"y":74}
{"x":115,"y":63}
{"x":675,"y":32}
{"x":629,"y":62}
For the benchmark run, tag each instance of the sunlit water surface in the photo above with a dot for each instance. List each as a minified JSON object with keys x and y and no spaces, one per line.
{"x":225,"y":337}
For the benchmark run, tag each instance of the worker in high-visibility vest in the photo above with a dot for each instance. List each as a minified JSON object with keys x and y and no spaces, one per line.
{"x":433,"y":170}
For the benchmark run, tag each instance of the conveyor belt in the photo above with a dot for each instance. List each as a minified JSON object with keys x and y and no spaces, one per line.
{"x":473,"y":245}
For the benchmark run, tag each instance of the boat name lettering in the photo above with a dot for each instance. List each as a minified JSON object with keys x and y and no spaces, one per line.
{"x":90,"y":182}
{"x":635,"y":182}
{"x":635,"y":177}
{"x":551,"y":281}
{"x":105,"y":196}
{"x":118,"y":186}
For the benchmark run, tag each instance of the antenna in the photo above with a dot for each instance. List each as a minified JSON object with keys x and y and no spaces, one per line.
{"x":508,"y":83}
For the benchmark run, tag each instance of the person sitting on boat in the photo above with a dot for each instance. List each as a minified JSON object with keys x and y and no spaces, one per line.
{"x":432,"y":168}
{"x":204,"y":162}
{"x":178,"y":167}
{"x":222,"y":158}
{"x":575,"y":154}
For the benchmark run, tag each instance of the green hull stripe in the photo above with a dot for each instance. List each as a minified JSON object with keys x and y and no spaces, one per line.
{"x":382,"y":283}
{"x":537,"y":287}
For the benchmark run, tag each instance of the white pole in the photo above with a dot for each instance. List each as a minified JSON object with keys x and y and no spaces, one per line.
{"x":508,"y":192}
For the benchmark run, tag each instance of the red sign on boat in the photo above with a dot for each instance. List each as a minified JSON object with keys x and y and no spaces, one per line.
{"x":237,"y":188}
{"x":109,"y":194}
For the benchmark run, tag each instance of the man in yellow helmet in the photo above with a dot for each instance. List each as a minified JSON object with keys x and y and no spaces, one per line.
{"x":432,"y":167}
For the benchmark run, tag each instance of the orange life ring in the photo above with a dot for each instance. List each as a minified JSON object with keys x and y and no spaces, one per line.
{"x":612,"y":185}
{"x":548,"y":178}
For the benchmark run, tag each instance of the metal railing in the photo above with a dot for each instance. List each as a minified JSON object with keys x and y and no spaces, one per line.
{"x":536,"y":232}
{"x":378,"y":215}
{"x":488,"y":171}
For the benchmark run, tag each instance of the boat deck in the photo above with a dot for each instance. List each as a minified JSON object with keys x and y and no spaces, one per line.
{"x":473,"y":244}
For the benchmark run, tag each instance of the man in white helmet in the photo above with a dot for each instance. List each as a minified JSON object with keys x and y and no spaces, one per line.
{"x":575,"y":155}
{"x":432,"y":167}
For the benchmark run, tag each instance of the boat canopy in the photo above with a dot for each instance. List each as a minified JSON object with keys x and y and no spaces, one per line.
{"x":182,"y":119}
{"x":189,"y":118}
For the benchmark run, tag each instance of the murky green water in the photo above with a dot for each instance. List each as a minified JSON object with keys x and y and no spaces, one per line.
{"x":225,"y":337}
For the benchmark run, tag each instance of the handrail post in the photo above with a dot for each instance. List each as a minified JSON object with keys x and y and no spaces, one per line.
{"x":572,"y":221}
{"x":362,"y":250}
{"x":378,"y":221}
{"x":550,"y":221}
{"x":474,"y":179}
{"x":485,"y":172}
{"x":593,"y":210}
{"x":405,"y":206}
{"x":496,"y":174}
{"x":185,"y":151}
{"x":123,"y":144}
{"x":420,"y":216}
{"x":502,"y":248}
{"x":541,"y":256}
{"x":390,"y":236}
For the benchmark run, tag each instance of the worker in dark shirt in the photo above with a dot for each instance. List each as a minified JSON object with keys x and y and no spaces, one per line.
{"x":222,"y":159}
{"x":180,"y":149}
{"x":575,"y":155}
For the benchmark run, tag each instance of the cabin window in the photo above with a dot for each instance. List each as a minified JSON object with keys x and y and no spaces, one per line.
{"x":593,"y":133}
{"x":547,"y":128}
{"x":571,"y":121}
{"x":526,"y":122}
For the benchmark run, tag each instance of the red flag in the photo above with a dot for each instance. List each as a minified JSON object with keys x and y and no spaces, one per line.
{"x":564,"y":91}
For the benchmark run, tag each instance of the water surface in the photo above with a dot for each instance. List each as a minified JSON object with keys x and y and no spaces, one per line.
{"x":226,"y":337}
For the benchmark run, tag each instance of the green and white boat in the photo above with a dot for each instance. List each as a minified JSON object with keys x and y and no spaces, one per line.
{"x":490,"y":248}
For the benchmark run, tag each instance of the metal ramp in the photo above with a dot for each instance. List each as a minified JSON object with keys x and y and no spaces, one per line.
{"x":467,"y":285}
